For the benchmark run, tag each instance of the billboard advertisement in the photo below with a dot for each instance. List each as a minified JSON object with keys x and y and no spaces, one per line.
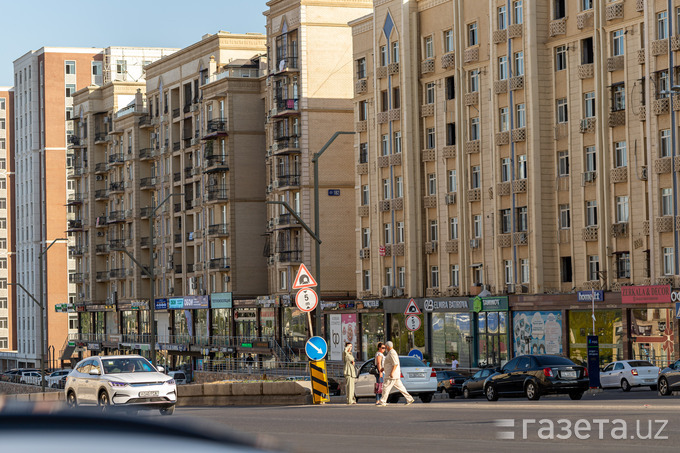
{"x":537,"y":332}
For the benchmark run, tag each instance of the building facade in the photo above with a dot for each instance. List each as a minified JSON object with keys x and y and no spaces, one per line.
{"x":8,"y":331}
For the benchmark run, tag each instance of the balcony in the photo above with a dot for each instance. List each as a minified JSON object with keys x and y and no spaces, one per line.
{"x":144,"y":121}
{"x":619,"y":174}
{"x":287,"y":64}
{"x":448,"y":60}
{"x":219,"y":263}
{"x":215,"y":127}
{"x":614,"y":11}
{"x":78,"y":250}
{"x":145,"y":242}
{"x":101,"y":249}
{"x":146,"y":212}
{"x":586,"y":71}
{"x":587,"y":125}
{"x":117,"y":273}
{"x":101,"y":195}
{"x":663,"y":165}
{"x":427,"y":66}
{"x":519,"y":186}
{"x":102,"y":276}
{"x":285,"y":107}
{"x":117,"y":186}
{"x":617,"y":118}
{"x":116,"y":244}
{"x":117,"y":159}
{"x":75,"y":225}
{"x":287,"y":181}
{"x":585,"y":20}
{"x":290,"y":256}
{"x":286,"y":145}
{"x":101,"y":168}
{"x":218,"y":230}
{"x":590,"y":234}
{"x":116,"y":216}
{"x":471,"y":54}
{"x":147,"y":153}
{"x":217,"y":194}
{"x":77,"y":277}
{"x":148,"y":183}
{"x":215,"y":163}
{"x":615,"y":63}
{"x":361,"y":86}
{"x":75,"y":198}
{"x":664,"y":224}
{"x":101,"y":137}
{"x":558,"y":27}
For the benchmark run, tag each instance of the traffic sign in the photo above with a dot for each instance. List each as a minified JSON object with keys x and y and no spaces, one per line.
{"x":316,"y":348}
{"x":412,"y":308}
{"x":303,"y":279}
{"x":416,"y":353}
{"x":306,"y":299}
{"x":412,"y":323}
{"x":319,"y":378}
{"x":677,"y":309}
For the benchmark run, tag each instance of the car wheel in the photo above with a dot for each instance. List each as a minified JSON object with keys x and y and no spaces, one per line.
{"x":664,"y":390}
{"x":490,"y":393}
{"x":426,"y":397}
{"x":393,"y":398}
{"x":167,"y":410}
{"x":104,"y":401}
{"x":71,"y":400}
{"x":575,"y":395}
{"x":466,"y":393}
{"x":625,"y":386}
{"x":653,"y":388}
{"x":532,"y":392}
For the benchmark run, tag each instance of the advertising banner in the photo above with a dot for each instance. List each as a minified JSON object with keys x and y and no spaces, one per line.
{"x":537,"y":332}
{"x":220,"y":300}
{"x":195,"y":301}
{"x":349,"y":331}
{"x":335,"y":342}
{"x":655,"y":294}
{"x":176,"y":303}
{"x":161,"y":304}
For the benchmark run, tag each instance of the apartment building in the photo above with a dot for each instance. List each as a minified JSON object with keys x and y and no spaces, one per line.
{"x":7,"y":301}
{"x":524,"y":151}
{"x":174,"y":182}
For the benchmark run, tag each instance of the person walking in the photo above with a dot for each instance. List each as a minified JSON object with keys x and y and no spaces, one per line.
{"x":379,"y":361}
{"x":392,"y":376}
{"x":250,"y":360}
{"x":454,"y":362}
{"x":350,"y":373}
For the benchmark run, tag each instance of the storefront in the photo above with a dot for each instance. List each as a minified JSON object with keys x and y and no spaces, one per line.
{"x":491,"y":330}
{"x":450,"y":331}
{"x":404,"y":340}
{"x":361,"y":323}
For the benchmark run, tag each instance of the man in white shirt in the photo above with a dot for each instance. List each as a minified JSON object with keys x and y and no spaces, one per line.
{"x":454,"y":363}
{"x":392,"y":376}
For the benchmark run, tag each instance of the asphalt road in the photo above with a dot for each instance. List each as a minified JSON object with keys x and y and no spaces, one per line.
{"x":606,"y":421}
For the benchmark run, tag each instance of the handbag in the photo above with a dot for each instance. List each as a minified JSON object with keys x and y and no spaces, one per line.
{"x":377,"y":388}
{"x":373,"y":370}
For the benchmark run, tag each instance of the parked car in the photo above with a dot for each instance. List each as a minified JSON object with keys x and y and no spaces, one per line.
{"x":178,"y":376}
{"x":30,"y":377}
{"x":474,"y":385}
{"x":669,"y":379}
{"x":629,"y":373}
{"x":451,"y":382}
{"x":8,"y":375}
{"x":121,"y":381}
{"x":419,"y":379}
{"x":536,"y":375}
{"x":53,"y":379}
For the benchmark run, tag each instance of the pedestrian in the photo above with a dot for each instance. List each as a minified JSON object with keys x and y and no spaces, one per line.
{"x":392,"y":376}
{"x":249,"y":363}
{"x":454,"y":362}
{"x":350,"y":373}
{"x":379,"y":361}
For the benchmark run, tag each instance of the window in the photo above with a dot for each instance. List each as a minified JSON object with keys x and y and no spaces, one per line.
{"x":586,"y":5}
{"x":618,"y":97}
{"x":396,"y":98}
{"x":520,"y":116}
{"x":590,"y":158}
{"x":563,"y":163}
{"x":430,"y":138}
{"x":387,"y":233}
{"x":522,"y":166}
{"x":388,"y":276}
{"x":434,"y":276}
{"x":504,"y":119}
{"x":474,"y":81}
{"x":524,"y":270}
{"x":591,"y":213}
{"x":3,"y":323}
{"x":502,"y":18}
{"x":365,"y":238}
{"x":401,"y":277}
{"x":472,"y":34}
{"x":400,"y":232}
{"x":617,"y":43}
{"x":399,"y":186}
{"x":3,"y":144}
{"x":474,"y":128}
{"x":453,"y":228}
{"x":518,"y":64}
{"x":367,"y":280}
{"x":560,"y":58}
{"x":69,"y":113}
{"x":69,"y":67}
{"x":477,"y":226}
{"x":559,"y":9}
{"x":3,"y":105}
{"x":384,"y":101}
{"x":667,"y":202}
{"x":395,"y":52}
{"x":70,"y":89}
{"x":668,"y":261}
{"x":665,"y":143}
{"x":476,"y":177}
{"x":434,"y":233}
{"x":565,"y":217}
{"x":507,"y":272}
{"x":663,"y":84}
{"x":452,"y":181}
{"x":450,"y":88}
{"x":385,"y":145}
{"x":361,"y":68}
{"x":506,"y":169}
{"x":121,"y":66}
{"x":428,"y":47}
{"x":506,"y":221}
{"x":448,"y":41}
{"x":450,"y":134}
{"x":589,"y":104}
{"x":593,"y":267}
{"x":283,"y":279}
{"x":522,"y":223}
{"x":432,"y":184}
{"x":565,"y":269}
{"x":620,"y":154}
{"x":383,"y":55}
{"x":363,"y":110}
{"x":517,"y":12}
{"x":477,"y":275}
{"x":622,"y":209}
{"x":562,"y":116}
{"x":364,"y":195}
{"x":623,"y":265}
{"x":429,"y":93}
{"x":503,"y":67}
{"x":387,"y":193}
{"x":455,"y":275}
{"x":662,"y":25}
{"x":363,"y":153}
{"x":397,"y":142}
{"x":587,"y":54}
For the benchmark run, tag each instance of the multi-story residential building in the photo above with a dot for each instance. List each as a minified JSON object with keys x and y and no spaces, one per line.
{"x":526,"y":150}
{"x":179,"y":154}
{"x":45,"y":81}
{"x":308,"y":98}
{"x":7,"y":300}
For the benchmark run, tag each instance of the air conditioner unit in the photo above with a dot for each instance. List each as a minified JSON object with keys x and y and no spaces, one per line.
{"x":98,"y":177}
{"x":100,"y":234}
{"x":153,"y":136}
{"x":387,"y":291}
{"x":212,"y":181}
{"x":106,"y":120}
{"x":510,"y":289}
{"x":361,"y":254}
{"x":643,"y":173}
{"x":474,"y":243}
{"x":227,"y":279}
{"x":273,"y":112}
{"x":269,"y":188}
{"x":398,"y":292}
{"x":276,"y":184}
{"x":276,"y":221}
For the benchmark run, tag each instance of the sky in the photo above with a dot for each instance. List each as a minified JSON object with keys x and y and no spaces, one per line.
{"x":140,"y":23}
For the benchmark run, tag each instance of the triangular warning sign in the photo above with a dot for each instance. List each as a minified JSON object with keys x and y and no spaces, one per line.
{"x":412,"y":308}
{"x":303,"y":279}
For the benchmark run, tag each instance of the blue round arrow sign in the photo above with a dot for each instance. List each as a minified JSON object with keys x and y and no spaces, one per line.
{"x":416,"y":353}
{"x":316,"y":348}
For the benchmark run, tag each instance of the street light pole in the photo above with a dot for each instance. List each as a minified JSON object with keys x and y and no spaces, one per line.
{"x":315,"y":161}
{"x":42,"y":325}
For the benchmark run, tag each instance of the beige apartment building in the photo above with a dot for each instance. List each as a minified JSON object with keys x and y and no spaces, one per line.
{"x":8,"y":332}
{"x":182,"y":150}
{"x":525,"y":150}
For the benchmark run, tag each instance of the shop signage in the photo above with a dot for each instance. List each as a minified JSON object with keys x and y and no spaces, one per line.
{"x":677,"y":310}
{"x":171,"y":347}
{"x":139,"y":304}
{"x":93,"y":346}
{"x":587,"y":296}
{"x":176,"y":303}
{"x":80,"y":308}
{"x":381,"y":250}
{"x":437,"y":305}
{"x":196,"y":302}
{"x":371,"y":303}
{"x":490,"y":304}
{"x":655,"y":294}
{"x":675,"y":296}
{"x":220,"y":300}
{"x":161,"y":304}
{"x":594,"y":361}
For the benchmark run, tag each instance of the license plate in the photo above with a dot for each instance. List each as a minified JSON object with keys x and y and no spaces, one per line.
{"x":568,"y":374}
{"x":148,"y":394}
{"x":416,"y":375}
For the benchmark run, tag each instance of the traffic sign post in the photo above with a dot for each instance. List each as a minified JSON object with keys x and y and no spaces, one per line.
{"x":416,"y":353}
{"x":412,"y":323}
{"x":316,"y":348}
{"x":303,"y":279}
{"x":412,"y":308}
{"x":306,"y":299}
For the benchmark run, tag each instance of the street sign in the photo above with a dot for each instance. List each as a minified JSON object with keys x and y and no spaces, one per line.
{"x":333,"y":192}
{"x":416,"y":353}
{"x":593,"y":361}
{"x":303,"y":279}
{"x":316,"y":348}
{"x":319,"y":378}
{"x":306,"y":299}
{"x":412,"y":308}
{"x":677,"y":309}
{"x":381,"y":250}
{"x":412,"y":323}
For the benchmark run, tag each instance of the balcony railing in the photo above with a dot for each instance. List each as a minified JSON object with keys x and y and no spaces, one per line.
{"x":220,"y":229}
{"x":217,"y":161}
{"x":117,"y":273}
{"x":217,"y":194}
{"x":117,"y":158}
{"x":117,"y":186}
{"x":290,"y":256}
{"x":219,"y":263}
{"x":287,"y":180}
{"x":285,"y":105}
{"x":216,"y":126}
{"x":116,"y":244}
{"x":102,"y":167}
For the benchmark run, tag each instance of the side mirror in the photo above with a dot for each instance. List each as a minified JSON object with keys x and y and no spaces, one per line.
{"x":94,"y":372}
{"x":160,"y":369}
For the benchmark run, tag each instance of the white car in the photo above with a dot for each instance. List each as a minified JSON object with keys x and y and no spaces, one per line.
{"x":30,"y":377}
{"x":179,"y":377}
{"x":629,"y":373}
{"x":120,"y":381}
{"x":53,"y":379}
{"x":419,"y":379}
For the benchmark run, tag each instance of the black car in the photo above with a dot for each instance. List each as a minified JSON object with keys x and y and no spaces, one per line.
{"x":536,"y":375}
{"x":474,"y":386}
{"x":451,"y":382}
{"x":669,"y":379}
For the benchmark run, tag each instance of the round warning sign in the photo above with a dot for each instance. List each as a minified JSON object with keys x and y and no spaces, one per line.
{"x":412,"y":323}
{"x":306,"y":299}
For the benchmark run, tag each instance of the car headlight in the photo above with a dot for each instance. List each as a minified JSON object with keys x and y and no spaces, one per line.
{"x":117,"y":384}
{"x":170,"y":382}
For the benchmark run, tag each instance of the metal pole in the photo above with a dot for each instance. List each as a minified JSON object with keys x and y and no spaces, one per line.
{"x":317,"y":252}
{"x":42,"y":312}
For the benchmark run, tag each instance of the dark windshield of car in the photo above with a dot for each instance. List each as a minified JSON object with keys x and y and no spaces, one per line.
{"x":127,"y":365}
{"x":553,"y":360}
{"x":639,"y":363}
{"x":410,"y":362}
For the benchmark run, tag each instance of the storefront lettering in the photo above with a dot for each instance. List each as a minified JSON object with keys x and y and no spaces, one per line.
{"x":675,"y":296}
{"x":432,"y":305}
{"x":646,"y":294}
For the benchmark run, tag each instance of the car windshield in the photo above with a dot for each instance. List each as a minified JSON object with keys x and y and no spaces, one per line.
{"x":127,"y":365}
{"x":553,"y":360}
{"x":410,"y":362}
{"x":639,"y":363}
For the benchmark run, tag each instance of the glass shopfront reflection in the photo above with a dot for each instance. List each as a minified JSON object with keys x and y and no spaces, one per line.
{"x":246,"y":322}
{"x":267,"y":322}
{"x":129,"y":326}
{"x":492,"y":338}
{"x":651,"y":332}
{"x":400,"y":334}
{"x":295,"y":327}
{"x":450,"y":332}
{"x":608,"y":327}
{"x":372,"y":331}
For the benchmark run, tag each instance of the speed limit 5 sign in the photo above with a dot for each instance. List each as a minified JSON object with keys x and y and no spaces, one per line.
{"x":306,"y":299}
